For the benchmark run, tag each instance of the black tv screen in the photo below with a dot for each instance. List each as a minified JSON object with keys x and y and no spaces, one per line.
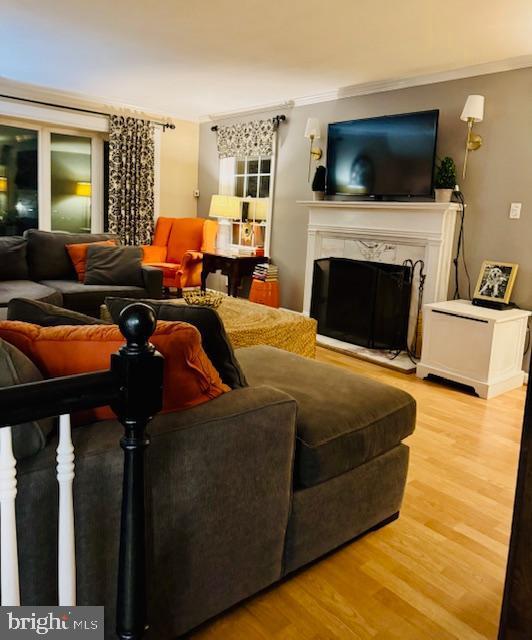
{"x":389,"y":156}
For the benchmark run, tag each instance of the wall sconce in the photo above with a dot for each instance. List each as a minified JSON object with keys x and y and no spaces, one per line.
{"x":3,"y":184}
{"x":313,"y":132}
{"x":472,"y":112}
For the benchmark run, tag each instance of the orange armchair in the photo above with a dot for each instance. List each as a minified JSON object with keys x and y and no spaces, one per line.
{"x":177,"y":249}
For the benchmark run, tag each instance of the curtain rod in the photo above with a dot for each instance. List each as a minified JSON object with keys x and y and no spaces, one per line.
{"x":276,"y":121}
{"x":164,"y":125}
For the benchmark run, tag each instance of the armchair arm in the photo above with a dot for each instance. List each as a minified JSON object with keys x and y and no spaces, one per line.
{"x":189,"y":257}
{"x":153,"y":253}
{"x":152,"y":279}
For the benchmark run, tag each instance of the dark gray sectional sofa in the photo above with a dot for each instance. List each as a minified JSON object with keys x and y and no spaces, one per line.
{"x":242,"y":490}
{"x":37,"y":266}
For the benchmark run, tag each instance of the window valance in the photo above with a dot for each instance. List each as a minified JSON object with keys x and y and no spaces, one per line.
{"x":246,"y":139}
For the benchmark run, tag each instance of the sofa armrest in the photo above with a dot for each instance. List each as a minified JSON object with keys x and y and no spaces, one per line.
{"x":153,"y":281}
{"x":219,"y":480}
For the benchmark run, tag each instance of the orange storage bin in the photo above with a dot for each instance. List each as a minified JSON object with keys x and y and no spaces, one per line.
{"x":266,"y":293}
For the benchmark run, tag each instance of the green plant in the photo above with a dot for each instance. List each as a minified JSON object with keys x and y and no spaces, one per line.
{"x":445,"y":176}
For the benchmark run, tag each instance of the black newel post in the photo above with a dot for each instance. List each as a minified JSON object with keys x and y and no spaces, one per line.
{"x":139,"y":369}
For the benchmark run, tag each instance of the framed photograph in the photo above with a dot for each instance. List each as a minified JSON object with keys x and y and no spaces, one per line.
{"x":496,"y":281}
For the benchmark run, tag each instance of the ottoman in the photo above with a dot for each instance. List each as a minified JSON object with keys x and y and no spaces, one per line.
{"x":350,"y":464}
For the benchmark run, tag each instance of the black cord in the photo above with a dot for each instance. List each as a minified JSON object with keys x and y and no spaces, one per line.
{"x":460,"y":249}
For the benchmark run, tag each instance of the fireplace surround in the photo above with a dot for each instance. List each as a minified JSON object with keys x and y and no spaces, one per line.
{"x":387,"y":232}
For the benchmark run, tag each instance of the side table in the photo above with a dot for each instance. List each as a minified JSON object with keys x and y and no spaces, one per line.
{"x":234,"y":266}
{"x":479,"y":347}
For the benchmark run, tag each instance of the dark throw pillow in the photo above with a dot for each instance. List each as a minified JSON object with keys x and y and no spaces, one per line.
{"x":46,"y":315}
{"x":13,"y":265}
{"x":213,"y":336}
{"x":15,"y":368}
{"x":114,"y":266}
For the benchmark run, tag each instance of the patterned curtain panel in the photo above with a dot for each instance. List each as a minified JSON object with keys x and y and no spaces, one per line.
{"x":131,"y":177}
{"x":248,"y":139}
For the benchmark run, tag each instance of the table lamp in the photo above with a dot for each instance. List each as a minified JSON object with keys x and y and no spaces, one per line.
{"x":225,"y":209}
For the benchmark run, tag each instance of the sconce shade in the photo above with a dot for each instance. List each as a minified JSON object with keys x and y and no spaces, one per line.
{"x":3,"y":184}
{"x":225,"y":207}
{"x":313,"y":129}
{"x":258,"y":209}
{"x":83,"y":189}
{"x":473,"y":109}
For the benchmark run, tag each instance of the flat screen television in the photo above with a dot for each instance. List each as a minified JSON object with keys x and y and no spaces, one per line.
{"x":385,"y":157}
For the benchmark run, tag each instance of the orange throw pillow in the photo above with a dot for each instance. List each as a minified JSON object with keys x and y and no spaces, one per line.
{"x":78,"y":255}
{"x":189,"y":376}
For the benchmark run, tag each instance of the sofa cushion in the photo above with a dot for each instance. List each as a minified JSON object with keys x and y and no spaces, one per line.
{"x":344,"y":419}
{"x":47,"y":255}
{"x":47,"y":315}
{"x":78,"y":255}
{"x":213,"y":336}
{"x":88,"y":298}
{"x":10,"y":289}
{"x":13,"y":265}
{"x":16,"y":368}
{"x":189,"y":376}
{"x":114,"y":266}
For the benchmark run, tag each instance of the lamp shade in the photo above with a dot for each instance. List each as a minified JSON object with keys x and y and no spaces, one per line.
{"x":225,"y":207}
{"x":313,"y":130}
{"x":258,"y":209}
{"x":473,"y":109}
{"x":3,"y":184}
{"x":83,"y":189}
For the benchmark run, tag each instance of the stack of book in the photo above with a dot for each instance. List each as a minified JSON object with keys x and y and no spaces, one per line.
{"x":266,"y":272}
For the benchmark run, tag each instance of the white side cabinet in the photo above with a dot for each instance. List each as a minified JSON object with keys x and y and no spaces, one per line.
{"x":479,"y":347}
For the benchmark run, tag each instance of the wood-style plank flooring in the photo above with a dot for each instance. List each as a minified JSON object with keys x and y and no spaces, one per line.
{"x":437,"y":573}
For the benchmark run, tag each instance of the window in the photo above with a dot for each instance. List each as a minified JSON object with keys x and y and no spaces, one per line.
{"x":51,"y":178}
{"x":252,"y":177}
{"x":71,"y":184}
{"x":19,"y":208}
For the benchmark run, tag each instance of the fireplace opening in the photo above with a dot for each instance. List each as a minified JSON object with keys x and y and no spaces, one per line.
{"x":363,"y":303}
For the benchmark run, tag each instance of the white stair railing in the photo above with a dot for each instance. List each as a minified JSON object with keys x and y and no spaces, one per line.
{"x":9,"y":581}
{"x":66,"y":543}
{"x":9,"y":574}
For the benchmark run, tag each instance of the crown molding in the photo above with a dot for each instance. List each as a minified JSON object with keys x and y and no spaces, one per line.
{"x":498,"y":66}
{"x":367,"y":88}
{"x":247,"y":111}
{"x":73,"y":99}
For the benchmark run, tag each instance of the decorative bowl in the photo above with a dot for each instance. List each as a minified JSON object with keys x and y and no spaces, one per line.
{"x":203,"y":298}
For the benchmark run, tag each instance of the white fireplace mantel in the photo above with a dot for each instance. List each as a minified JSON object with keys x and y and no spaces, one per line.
{"x":383,"y":232}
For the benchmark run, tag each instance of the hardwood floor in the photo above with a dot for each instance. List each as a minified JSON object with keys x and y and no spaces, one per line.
{"x":436,"y":573}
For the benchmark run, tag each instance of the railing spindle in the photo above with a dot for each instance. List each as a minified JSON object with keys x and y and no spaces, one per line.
{"x":8,"y":524}
{"x":66,"y":542}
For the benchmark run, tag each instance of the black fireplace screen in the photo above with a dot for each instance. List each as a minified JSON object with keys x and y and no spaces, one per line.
{"x":364,"y":303}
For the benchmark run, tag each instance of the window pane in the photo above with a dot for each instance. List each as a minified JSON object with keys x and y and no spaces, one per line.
{"x":239,"y":186}
{"x":71,"y":183}
{"x":252,"y":187}
{"x":240,"y":166}
{"x":18,"y":180}
{"x":265,"y":164}
{"x":264,"y":189}
{"x":253,"y":166}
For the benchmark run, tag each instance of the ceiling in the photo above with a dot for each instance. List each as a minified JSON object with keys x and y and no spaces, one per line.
{"x":191,"y":58}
